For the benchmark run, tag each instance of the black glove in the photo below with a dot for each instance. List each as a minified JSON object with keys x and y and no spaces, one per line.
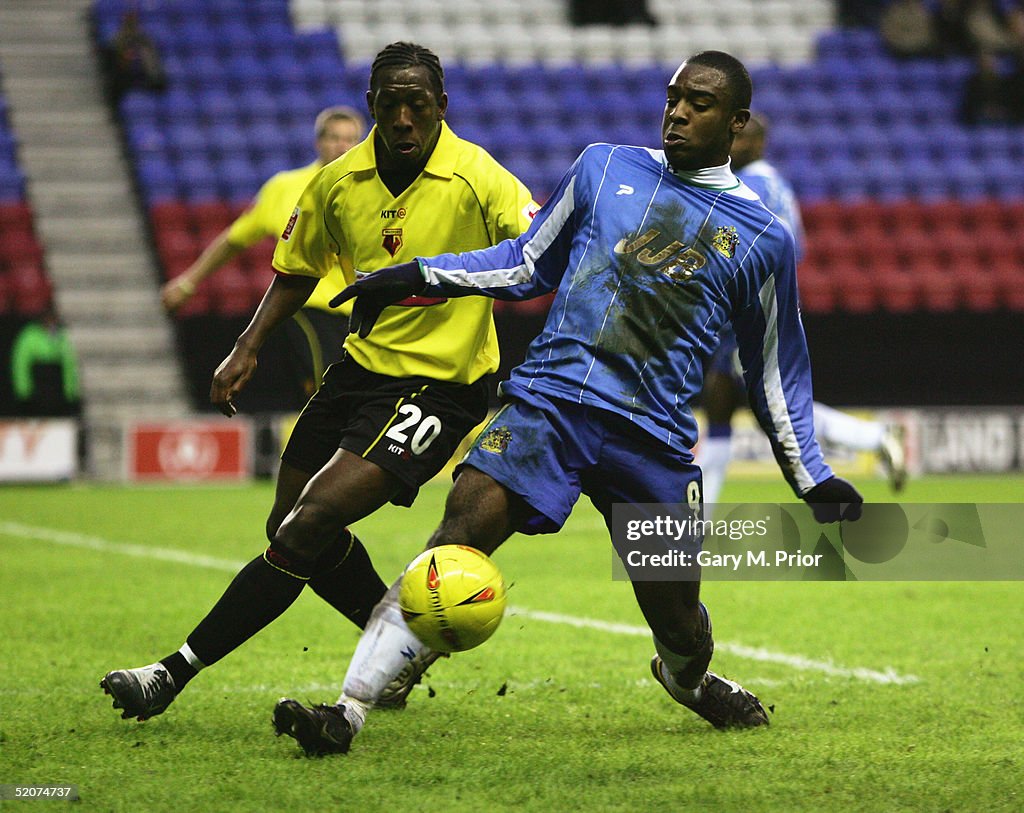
{"x":833,"y":500}
{"x":376,"y":291}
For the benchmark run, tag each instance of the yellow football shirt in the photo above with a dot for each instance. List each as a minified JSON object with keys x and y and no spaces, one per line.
{"x":463,"y":200}
{"x":267,"y":217}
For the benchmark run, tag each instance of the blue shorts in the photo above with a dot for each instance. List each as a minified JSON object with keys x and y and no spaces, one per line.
{"x":548,"y":451}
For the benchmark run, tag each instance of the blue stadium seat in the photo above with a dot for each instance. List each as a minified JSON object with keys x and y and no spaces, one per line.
{"x":245,"y":70}
{"x":227,"y":141}
{"x":255,"y":106}
{"x":298,"y":106}
{"x":139,"y":105}
{"x":12,"y":183}
{"x":147,"y":138}
{"x":186,"y":141}
{"x":313,"y":44}
{"x":177,"y":104}
{"x":158,"y":180}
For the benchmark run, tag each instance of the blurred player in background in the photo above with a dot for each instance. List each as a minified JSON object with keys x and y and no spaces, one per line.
{"x":390,"y":414}
{"x":316,"y":333}
{"x":723,"y":380}
{"x":650,"y":252}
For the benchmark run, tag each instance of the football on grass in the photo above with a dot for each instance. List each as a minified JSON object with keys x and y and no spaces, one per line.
{"x":452,"y":597}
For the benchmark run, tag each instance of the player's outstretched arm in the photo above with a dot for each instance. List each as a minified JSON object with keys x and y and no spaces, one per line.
{"x":178,"y":291}
{"x":376,"y":291}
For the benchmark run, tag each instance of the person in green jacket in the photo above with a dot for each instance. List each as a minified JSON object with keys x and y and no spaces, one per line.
{"x":44,"y":369}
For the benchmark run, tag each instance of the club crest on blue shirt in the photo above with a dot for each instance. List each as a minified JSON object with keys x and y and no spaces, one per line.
{"x":725,"y":241}
{"x":496,"y":440}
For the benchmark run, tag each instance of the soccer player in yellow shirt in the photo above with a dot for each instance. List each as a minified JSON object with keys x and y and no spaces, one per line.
{"x":315,"y":332}
{"x":389,"y":415}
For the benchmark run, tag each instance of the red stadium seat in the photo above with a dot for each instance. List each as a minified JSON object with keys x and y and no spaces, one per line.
{"x":20,"y":246}
{"x":31,"y":289}
{"x":986,"y":214}
{"x":899,"y":291}
{"x":15,"y":217}
{"x":177,"y":250}
{"x":940,"y":290}
{"x":211,"y":216}
{"x":824,"y":215}
{"x":914,"y":249}
{"x":260,"y":278}
{"x":230,"y":292}
{"x":208,"y":233}
{"x":855,"y":287}
{"x":259,"y":256}
{"x":6,"y":294}
{"x":981,"y":291}
{"x":995,"y":246}
{"x":1009,"y":280}
{"x":169,"y":215}
{"x":866,"y":215}
{"x":817,"y":294}
{"x":910,"y":215}
{"x":950,"y":214}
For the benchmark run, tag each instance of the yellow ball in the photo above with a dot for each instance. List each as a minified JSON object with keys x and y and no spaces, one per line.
{"x":452,"y":597}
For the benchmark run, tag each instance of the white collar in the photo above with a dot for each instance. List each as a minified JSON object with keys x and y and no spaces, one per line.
{"x":720,"y":177}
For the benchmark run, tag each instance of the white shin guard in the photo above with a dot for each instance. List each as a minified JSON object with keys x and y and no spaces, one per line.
{"x":384,"y":649}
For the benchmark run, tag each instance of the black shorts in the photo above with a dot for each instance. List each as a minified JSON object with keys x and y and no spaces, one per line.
{"x":410,"y":427}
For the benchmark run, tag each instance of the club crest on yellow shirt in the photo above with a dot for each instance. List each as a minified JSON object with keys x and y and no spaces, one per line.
{"x":392,"y":240}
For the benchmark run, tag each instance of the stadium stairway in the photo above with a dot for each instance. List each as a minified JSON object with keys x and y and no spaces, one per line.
{"x":94,"y":239}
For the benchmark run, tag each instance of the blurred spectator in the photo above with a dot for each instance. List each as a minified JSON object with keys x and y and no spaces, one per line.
{"x":316,"y":333}
{"x":860,"y":13}
{"x":992,"y":96}
{"x":44,"y":370}
{"x":989,"y":27}
{"x":910,"y":28}
{"x":922,"y":28}
{"x":131,"y":59}
{"x":994,"y":93}
{"x":610,"y":12}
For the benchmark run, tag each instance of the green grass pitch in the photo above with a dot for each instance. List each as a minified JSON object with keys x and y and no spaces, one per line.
{"x":886,"y":696}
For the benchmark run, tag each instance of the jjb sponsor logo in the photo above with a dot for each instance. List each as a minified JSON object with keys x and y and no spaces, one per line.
{"x":676,"y":260}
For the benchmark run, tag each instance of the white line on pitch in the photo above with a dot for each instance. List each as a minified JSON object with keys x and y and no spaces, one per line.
{"x":798,"y":662}
{"x":748,"y":652}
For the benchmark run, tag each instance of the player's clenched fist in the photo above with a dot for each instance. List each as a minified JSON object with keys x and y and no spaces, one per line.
{"x":230,"y":377}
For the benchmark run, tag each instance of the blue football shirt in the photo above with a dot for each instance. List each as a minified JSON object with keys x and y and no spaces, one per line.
{"x":648,"y":265}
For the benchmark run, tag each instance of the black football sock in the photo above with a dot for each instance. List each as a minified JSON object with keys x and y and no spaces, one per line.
{"x":346,"y":579}
{"x":258,"y":594}
{"x":180,"y":669}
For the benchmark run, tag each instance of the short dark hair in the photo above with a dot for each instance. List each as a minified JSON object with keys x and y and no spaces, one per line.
{"x":339,"y":113}
{"x":741,"y":88}
{"x":409,"y":55}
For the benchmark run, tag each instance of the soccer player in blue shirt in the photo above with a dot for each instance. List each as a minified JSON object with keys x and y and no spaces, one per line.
{"x":651,"y":252}
{"x":723,"y":382}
